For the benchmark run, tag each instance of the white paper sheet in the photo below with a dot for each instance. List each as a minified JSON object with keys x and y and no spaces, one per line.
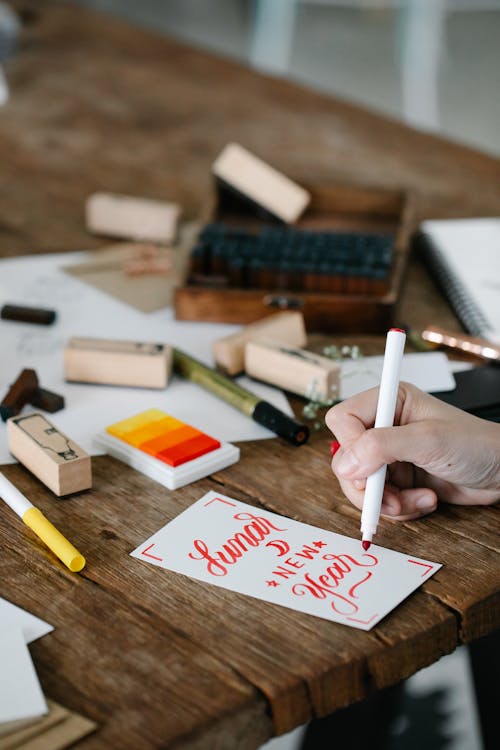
{"x":430,"y":371}
{"x":85,"y":311}
{"x":21,"y":696}
{"x":230,"y":544}
{"x":13,"y":616}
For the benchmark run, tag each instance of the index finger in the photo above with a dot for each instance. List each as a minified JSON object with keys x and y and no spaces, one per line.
{"x":349,"y":419}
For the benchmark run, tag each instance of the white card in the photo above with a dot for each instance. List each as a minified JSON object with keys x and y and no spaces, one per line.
{"x":13,"y":616}
{"x":21,"y":696}
{"x":230,"y":544}
{"x":429,"y":371}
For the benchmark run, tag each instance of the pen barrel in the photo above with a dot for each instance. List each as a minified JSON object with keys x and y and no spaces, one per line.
{"x":374,"y":491}
{"x":260,"y":411}
{"x":269,"y":416}
{"x":213,"y":381}
{"x":389,"y":381}
{"x":54,"y":540}
{"x":386,"y":407}
{"x":13,"y":497}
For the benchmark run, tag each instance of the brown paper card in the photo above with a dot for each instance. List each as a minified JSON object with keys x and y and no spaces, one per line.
{"x":148,"y":292}
{"x":59,"y":729}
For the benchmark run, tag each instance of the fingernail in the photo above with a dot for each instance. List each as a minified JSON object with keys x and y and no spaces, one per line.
{"x":348,"y":464}
{"x":391,"y":509}
{"x":426,"y":502}
{"x":359,"y":483}
{"x":334,"y":446}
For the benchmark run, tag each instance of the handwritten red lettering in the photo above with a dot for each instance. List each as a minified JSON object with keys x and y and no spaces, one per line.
{"x":294,"y":563}
{"x":308,"y":552}
{"x":346,"y":559}
{"x":279,"y":544}
{"x":233,"y":549}
{"x":363,"y":580}
{"x":325,"y":585}
{"x":214,"y":566}
{"x":321,"y":591}
{"x":283,"y":572}
{"x":258,"y":521}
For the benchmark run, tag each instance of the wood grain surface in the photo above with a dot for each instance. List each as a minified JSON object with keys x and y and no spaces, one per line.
{"x":156,"y":659}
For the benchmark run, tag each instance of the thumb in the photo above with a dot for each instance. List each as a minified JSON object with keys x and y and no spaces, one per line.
{"x":415,"y":443}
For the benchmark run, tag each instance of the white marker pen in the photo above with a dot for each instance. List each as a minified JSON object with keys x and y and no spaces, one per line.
{"x":386,"y":406}
{"x":34,"y":518}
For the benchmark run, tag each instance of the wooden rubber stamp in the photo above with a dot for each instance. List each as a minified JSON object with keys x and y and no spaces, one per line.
{"x":295,"y":370}
{"x":50,"y":455}
{"x":260,"y":183}
{"x":126,"y":363}
{"x":139,"y":219}
{"x":19,"y":394}
{"x":282,"y":327}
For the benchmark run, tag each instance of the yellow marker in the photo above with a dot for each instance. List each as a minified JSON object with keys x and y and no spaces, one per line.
{"x":34,"y":518}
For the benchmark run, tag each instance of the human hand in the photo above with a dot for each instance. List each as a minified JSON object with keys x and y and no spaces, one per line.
{"x":434,"y":451}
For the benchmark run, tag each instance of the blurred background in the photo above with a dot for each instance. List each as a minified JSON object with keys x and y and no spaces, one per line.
{"x":431,"y":63}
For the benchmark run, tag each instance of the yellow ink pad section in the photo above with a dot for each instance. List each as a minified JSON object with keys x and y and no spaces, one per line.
{"x":165,"y":448}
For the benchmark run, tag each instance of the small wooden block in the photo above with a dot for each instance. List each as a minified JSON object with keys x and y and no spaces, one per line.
{"x":260,"y":183}
{"x":126,"y":363}
{"x":46,"y":400}
{"x":132,"y":218}
{"x":23,"y":314}
{"x":50,"y":455}
{"x":295,"y":370}
{"x":19,"y":394}
{"x":283,"y":328}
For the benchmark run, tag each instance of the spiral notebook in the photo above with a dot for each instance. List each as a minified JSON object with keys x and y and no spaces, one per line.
{"x":464,"y":257}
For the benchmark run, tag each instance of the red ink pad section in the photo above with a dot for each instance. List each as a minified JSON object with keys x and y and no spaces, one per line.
{"x":187,"y":451}
{"x":169,"y":440}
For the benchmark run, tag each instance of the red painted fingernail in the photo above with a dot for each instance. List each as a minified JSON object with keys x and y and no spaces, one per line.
{"x":334,"y":446}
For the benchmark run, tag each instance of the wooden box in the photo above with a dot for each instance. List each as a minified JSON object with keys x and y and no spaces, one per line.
{"x":333,"y":208}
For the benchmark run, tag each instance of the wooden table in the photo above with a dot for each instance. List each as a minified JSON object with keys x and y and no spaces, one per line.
{"x":156,"y":659}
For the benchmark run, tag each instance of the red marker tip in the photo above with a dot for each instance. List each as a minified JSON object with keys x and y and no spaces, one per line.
{"x":365,"y":545}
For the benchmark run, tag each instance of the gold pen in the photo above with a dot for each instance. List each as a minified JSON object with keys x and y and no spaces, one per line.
{"x":461,"y":341}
